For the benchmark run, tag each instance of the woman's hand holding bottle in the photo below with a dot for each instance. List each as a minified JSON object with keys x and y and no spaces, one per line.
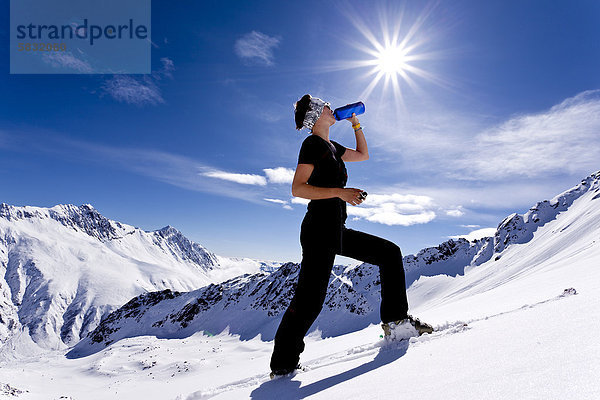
{"x":353,"y":119}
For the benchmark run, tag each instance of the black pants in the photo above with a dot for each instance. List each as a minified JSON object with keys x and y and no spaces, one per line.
{"x":313,"y":280}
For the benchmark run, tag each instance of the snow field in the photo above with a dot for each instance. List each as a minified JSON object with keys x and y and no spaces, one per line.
{"x":526,"y":339}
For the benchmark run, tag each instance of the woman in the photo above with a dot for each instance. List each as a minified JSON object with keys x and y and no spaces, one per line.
{"x":321,"y":176}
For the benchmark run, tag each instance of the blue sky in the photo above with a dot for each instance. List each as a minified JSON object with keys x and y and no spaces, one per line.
{"x":499,"y":109}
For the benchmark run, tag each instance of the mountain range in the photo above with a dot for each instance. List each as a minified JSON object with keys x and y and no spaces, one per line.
{"x":63,"y":269}
{"x":69,"y":273}
{"x":252,"y":304}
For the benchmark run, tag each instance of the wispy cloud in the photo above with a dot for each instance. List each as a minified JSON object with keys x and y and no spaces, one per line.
{"x":66,"y":59}
{"x":564,"y":138}
{"x":272,"y":175}
{"x":244,"y":179}
{"x":256,"y":48}
{"x":184,"y":172}
{"x":481,"y":166}
{"x":127,"y":89}
{"x":139,"y":91}
{"x":561,"y":140}
{"x":278,"y":201}
{"x":284,"y":203}
{"x":172,"y":169}
{"x":168,"y":66}
{"x":279,"y":175}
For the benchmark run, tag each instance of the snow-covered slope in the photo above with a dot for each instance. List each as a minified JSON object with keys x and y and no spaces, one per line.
{"x":527,"y":337}
{"x":250,"y":305}
{"x":63,"y":268}
{"x":539,"y":250}
{"x":451,"y":257}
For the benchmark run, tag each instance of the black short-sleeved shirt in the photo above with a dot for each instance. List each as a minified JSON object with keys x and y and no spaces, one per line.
{"x":325,"y":218}
{"x":330,"y":170}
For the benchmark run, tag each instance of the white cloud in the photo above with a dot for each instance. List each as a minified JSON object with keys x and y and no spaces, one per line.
{"x":256,"y":47}
{"x":273,"y":175}
{"x":455,"y":213}
{"x":279,"y":175}
{"x":127,"y":89}
{"x":477,"y":234}
{"x":470,"y":226}
{"x":395,"y":209}
{"x":564,"y":138}
{"x":394,"y":218}
{"x":513,"y":195}
{"x":378,"y":199}
{"x":66,"y":59}
{"x":300,"y":200}
{"x":276,"y":201}
{"x":509,"y":164}
{"x":244,"y":179}
{"x":284,"y":203}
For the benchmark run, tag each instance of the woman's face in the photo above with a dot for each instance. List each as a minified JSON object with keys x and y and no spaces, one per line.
{"x":326,"y":117}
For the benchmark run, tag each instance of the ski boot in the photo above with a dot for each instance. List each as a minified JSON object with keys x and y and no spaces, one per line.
{"x":405,"y":328}
{"x":285,"y":372}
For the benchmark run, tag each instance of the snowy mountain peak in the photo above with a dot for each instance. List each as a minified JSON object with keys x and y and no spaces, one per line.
{"x":520,"y":228}
{"x":185,"y":248}
{"x":83,"y":218}
{"x":452,"y":256}
{"x":63,"y":268}
{"x":448,"y":258}
{"x":169,"y":230}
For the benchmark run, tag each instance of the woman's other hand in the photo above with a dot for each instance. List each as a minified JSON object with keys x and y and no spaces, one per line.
{"x":351,"y":195}
{"x":353,"y":119}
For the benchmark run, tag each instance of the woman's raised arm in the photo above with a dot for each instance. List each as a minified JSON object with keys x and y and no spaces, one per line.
{"x":362,"y":152}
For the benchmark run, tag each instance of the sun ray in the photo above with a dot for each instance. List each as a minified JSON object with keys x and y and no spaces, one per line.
{"x":367,"y":92}
{"x":364,"y":29}
{"x":393,"y":58}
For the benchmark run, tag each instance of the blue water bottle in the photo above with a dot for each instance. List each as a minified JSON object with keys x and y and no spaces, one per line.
{"x":346,"y":111}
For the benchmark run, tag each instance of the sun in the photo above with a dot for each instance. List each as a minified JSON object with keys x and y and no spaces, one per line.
{"x":396,"y":54}
{"x":392,"y":60}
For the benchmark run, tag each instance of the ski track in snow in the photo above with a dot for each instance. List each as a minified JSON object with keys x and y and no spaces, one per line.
{"x":367,"y":350}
